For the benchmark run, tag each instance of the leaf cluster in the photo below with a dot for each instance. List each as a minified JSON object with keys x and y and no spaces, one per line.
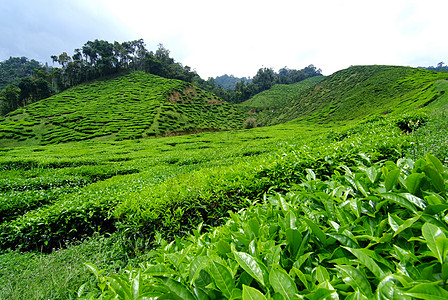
{"x":365,"y":232}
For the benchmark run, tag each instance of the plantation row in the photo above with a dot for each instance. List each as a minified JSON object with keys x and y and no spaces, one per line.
{"x":363,"y":233}
{"x":168,"y":189}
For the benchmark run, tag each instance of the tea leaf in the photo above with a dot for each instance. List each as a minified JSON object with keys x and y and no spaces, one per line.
{"x":413,"y":182}
{"x":250,"y":265}
{"x":282,"y":283}
{"x":365,"y":258}
{"x":427,"y":291}
{"x":356,"y":279}
{"x":178,"y":289}
{"x":249,"y":293}
{"x":431,"y":233}
{"x":223,"y":278}
{"x":392,"y":179}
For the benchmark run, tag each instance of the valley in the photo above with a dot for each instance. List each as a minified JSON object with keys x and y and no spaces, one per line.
{"x":138,"y":187}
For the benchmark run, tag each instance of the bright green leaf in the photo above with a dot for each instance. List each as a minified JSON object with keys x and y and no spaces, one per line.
{"x":391,"y":179}
{"x":250,"y":265}
{"x":365,"y":258}
{"x":427,"y":291}
{"x":282,"y":283}
{"x":431,"y":232}
{"x":178,"y":289}
{"x":356,"y":279}
{"x":249,"y":293}
{"x":293,"y":239}
{"x":223,"y":278}
{"x":436,"y":178}
{"x":413,"y":182}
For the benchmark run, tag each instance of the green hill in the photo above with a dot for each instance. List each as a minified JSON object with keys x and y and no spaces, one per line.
{"x":360,"y":91}
{"x":272,"y":103}
{"x":136,"y":105}
{"x":349,"y":94}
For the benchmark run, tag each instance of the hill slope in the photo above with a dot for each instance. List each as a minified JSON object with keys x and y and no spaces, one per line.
{"x":271,"y":104}
{"x":360,"y":91}
{"x":132,"y":106}
{"x":350,"y":94}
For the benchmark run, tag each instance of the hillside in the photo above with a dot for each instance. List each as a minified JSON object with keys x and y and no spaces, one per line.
{"x":360,"y":91}
{"x":269,"y":105}
{"x":315,"y":208}
{"x":350,"y":94}
{"x":136,"y":105}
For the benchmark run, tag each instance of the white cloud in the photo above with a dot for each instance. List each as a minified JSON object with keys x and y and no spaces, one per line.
{"x":238,"y":37}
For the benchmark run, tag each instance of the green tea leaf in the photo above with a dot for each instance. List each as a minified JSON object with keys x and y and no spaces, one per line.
{"x":157,"y":270}
{"x":435,"y":162}
{"x":392,"y":222}
{"x":254,"y":225}
{"x":431,"y":232}
{"x":386,"y":289}
{"x":413,"y":182}
{"x":427,"y":291}
{"x":290,"y":220}
{"x":120,"y":287}
{"x":364,"y":256}
{"x":317,"y":231}
{"x":356,"y":279}
{"x":293,"y":239}
{"x":223,"y":278}
{"x":136,"y":287}
{"x":442,"y":248}
{"x":392,"y":179}
{"x":371,"y":173}
{"x":344,"y":240}
{"x":250,"y":265}
{"x":436,"y":178}
{"x":406,"y":224}
{"x":178,"y":289}
{"x":321,"y":274}
{"x":400,"y":200}
{"x":282,"y":283}
{"x":249,"y":293}
{"x":199,"y":263}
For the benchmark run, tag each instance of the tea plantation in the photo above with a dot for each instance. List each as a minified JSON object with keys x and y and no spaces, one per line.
{"x":347,"y":201}
{"x":137,"y":105}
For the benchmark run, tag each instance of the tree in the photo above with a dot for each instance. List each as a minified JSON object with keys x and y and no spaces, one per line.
{"x":11,"y":98}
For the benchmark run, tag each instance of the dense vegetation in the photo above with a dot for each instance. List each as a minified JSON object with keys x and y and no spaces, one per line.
{"x":313,"y":209}
{"x":24,"y":82}
{"x":16,"y":68}
{"x":136,"y":105}
{"x":354,"y":93}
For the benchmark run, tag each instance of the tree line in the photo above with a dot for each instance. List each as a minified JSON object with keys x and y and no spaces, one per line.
{"x":95,"y":59}
{"x":263,"y":80}
{"x":27,"y":81}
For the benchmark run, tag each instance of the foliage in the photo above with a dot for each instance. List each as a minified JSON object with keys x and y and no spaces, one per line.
{"x":341,"y":190}
{"x":133,"y":106}
{"x":16,"y":68}
{"x":367,"y":90}
{"x":266,"y":78}
{"x":364,"y":232}
{"x":228,"y":82}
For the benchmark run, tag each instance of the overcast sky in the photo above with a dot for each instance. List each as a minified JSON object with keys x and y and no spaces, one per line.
{"x":236,"y":36}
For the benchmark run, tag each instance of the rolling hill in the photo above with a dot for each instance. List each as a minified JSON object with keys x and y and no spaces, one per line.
{"x":136,"y":105}
{"x":338,"y":203}
{"x":349,"y":94}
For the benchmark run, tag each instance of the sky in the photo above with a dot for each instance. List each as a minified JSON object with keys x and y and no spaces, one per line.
{"x":238,"y":37}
